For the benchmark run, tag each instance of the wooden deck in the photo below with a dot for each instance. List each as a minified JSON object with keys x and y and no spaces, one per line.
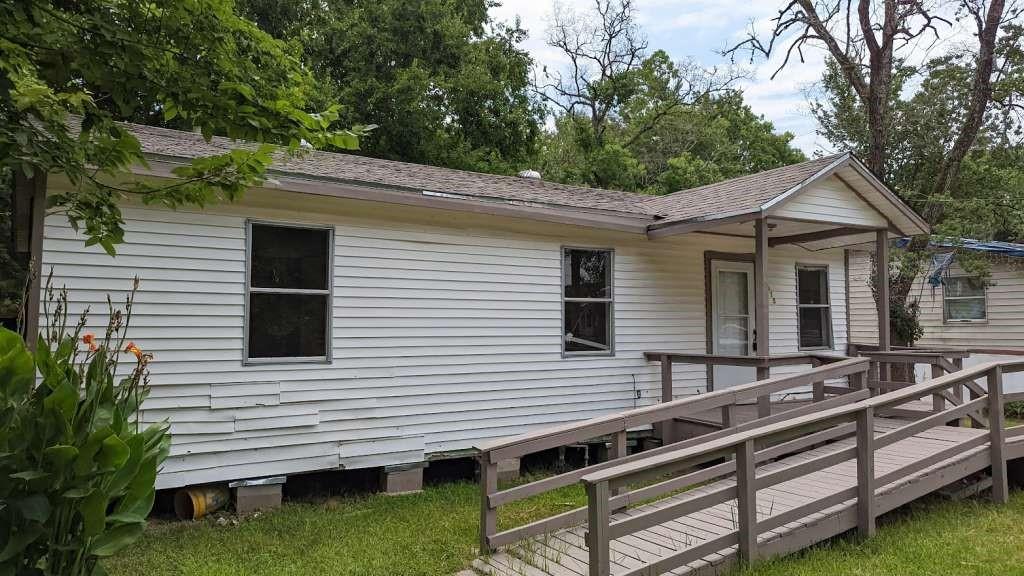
{"x":776,"y":479}
{"x":564,"y":552}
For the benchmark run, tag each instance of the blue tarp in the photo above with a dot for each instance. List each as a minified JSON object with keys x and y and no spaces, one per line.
{"x":992,"y":247}
{"x":941,"y":262}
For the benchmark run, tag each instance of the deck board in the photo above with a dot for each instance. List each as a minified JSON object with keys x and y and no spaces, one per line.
{"x":564,"y":552}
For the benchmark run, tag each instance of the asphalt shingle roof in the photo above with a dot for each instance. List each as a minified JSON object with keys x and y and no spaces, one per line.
{"x":736,"y":195}
{"x":746,"y":193}
{"x":403,"y":175}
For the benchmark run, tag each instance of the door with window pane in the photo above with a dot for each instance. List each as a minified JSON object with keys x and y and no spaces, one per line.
{"x":732,"y":318}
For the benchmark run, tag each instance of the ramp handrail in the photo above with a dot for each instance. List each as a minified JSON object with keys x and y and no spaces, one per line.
{"x":606,"y":484}
{"x":616,"y":425}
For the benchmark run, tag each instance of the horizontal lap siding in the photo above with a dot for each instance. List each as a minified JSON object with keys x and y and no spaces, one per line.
{"x":445,"y":332}
{"x":439,"y":335}
{"x":1004,"y":327}
{"x":863,"y":310}
{"x":782,"y":298}
{"x":830,"y":201}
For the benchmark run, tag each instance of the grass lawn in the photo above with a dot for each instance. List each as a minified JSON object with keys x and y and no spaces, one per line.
{"x":969,"y":538}
{"x":434,"y":533}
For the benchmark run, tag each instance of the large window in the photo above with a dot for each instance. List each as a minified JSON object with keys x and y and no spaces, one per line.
{"x":289,"y":298}
{"x":964,"y":300}
{"x":587,"y":301}
{"x":814,"y":313}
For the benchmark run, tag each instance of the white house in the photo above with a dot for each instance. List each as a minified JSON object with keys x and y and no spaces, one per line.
{"x":365,"y":313}
{"x":955,"y":311}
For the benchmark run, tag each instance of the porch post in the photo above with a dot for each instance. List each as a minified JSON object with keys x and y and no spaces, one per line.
{"x":882,"y":276}
{"x":761,"y":330}
{"x":30,"y":212}
{"x":761,"y":287}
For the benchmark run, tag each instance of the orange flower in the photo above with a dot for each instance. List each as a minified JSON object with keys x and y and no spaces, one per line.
{"x":131,"y":347}
{"x":89,"y":339}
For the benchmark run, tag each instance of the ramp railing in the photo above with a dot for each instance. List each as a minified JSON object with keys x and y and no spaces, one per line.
{"x":743,"y":449}
{"x":616,"y":426}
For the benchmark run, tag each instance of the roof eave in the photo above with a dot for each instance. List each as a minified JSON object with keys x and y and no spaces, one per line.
{"x":700,"y":224}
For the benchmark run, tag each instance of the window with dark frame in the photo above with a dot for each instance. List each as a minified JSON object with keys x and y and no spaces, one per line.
{"x":587,"y":301}
{"x":289,"y":297}
{"x":963,"y":299}
{"x":814,"y":312}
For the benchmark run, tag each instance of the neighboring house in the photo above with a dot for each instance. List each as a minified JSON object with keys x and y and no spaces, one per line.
{"x":955,"y":312}
{"x":365,"y":313}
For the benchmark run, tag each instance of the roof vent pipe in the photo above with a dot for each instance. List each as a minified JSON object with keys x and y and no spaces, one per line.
{"x":530,"y":174}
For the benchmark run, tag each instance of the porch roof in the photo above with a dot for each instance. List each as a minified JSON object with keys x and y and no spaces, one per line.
{"x":737,"y":199}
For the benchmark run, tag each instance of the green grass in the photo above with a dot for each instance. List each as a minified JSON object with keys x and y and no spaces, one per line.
{"x":431,"y":533}
{"x":434,"y":533}
{"x":932,"y":538}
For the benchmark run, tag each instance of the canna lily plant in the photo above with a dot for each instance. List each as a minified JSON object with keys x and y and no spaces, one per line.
{"x":77,"y":468}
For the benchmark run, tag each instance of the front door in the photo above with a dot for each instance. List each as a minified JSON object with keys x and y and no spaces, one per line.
{"x":732,"y":319}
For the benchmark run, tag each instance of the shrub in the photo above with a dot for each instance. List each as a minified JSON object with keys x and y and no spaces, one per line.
{"x":77,"y":469}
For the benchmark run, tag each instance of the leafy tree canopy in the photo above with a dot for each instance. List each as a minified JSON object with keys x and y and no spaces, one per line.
{"x":632,"y":119}
{"x":190,"y":64}
{"x":715,"y":138}
{"x":446,"y":86}
{"x":986,"y":198}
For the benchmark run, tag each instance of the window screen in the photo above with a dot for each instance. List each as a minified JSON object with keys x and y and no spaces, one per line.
{"x":964,"y":300}
{"x":587,"y":301}
{"x":288,"y":311}
{"x":814,"y":313}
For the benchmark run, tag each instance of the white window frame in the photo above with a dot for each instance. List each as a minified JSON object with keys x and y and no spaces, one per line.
{"x":830,"y":337}
{"x":945,"y":309}
{"x":328,"y":292}
{"x":610,"y":300}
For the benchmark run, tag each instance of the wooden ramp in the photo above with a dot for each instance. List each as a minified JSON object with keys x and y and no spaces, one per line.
{"x":564,"y":552}
{"x":766,"y":486}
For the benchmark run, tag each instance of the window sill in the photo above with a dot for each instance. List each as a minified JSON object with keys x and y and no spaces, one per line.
{"x":588,"y":354}
{"x":293,"y":360}
{"x":814,"y":348}
{"x":980,"y":321}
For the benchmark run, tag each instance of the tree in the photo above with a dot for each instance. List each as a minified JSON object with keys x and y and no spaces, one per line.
{"x":715,"y":138}
{"x":69,"y":71}
{"x":634,"y":119}
{"x":446,"y":85}
{"x":871,"y":46}
{"x":611,"y":75}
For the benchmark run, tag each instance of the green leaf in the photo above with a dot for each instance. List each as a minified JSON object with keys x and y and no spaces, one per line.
{"x":87,"y":453}
{"x":137,"y":446}
{"x":76,"y":493}
{"x":28,"y":475}
{"x":35,"y":507}
{"x":110,"y":542}
{"x":93,"y":509}
{"x":17,"y":373}
{"x":60,"y":455}
{"x":19,"y":539}
{"x":113,"y":453}
{"x":63,"y":400}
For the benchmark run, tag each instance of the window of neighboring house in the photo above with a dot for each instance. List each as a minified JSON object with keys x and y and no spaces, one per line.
{"x":288,"y":312}
{"x":964,"y":300}
{"x":586,"y":301}
{"x":814,"y":313}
